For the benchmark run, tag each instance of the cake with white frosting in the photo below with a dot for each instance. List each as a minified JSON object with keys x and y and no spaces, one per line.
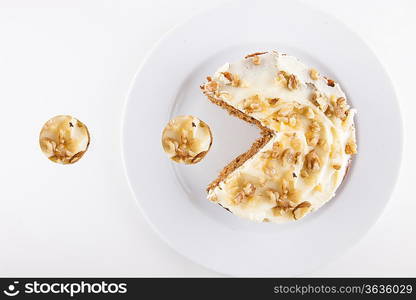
{"x":306,"y":144}
{"x":186,"y":139}
{"x":64,"y":139}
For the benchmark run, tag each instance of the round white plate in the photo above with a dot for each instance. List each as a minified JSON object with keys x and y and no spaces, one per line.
{"x":173,"y":197}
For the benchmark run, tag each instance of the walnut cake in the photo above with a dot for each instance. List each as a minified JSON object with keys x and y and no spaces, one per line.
{"x":306,"y":144}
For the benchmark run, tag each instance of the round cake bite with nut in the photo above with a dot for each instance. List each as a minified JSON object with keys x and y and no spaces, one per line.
{"x":186,"y":139}
{"x":64,"y":139}
{"x":306,"y":144}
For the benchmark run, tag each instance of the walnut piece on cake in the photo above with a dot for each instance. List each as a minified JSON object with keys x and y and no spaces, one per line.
{"x":301,"y":210}
{"x":186,"y":139}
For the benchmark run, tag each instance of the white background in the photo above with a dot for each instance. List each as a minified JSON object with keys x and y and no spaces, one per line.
{"x":78,"y":57}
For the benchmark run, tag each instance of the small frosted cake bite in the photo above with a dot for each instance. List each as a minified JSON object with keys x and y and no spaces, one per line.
{"x":64,"y":139}
{"x":186,"y":139}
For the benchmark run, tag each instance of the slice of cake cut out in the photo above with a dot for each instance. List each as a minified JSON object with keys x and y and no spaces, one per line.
{"x":306,"y":143}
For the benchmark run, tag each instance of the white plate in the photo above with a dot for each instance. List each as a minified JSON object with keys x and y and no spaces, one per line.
{"x":173,"y":197}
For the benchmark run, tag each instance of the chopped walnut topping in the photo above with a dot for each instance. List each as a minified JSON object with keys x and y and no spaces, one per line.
{"x":253,"y":104}
{"x":312,"y":136}
{"x":330,"y":82}
{"x":254,"y":54}
{"x":284,"y":186}
{"x":351,"y":148}
{"x":240,"y":198}
{"x":329,"y":111}
{"x":292,"y":82}
{"x":256,"y":60}
{"x":308,"y":112}
{"x":304,"y":173}
{"x":314,"y":97}
{"x":274,"y":152}
{"x":341,"y":108}
{"x":288,"y":80}
{"x":283,"y":119}
{"x":314,"y":127}
{"x":277,"y":211}
{"x":48,"y":146}
{"x":312,"y":162}
{"x":276,"y":146}
{"x":273,"y":101}
{"x":313,"y":73}
{"x":270,"y":154}
{"x":312,"y":139}
{"x":228,"y":76}
{"x":285,"y":204}
{"x":171,"y":146}
{"x":287,"y":156}
{"x":255,"y":57}
{"x":262,"y":182}
{"x":292,"y":121}
{"x":296,"y":144}
{"x":253,"y":107}
{"x":324,"y":144}
{"x":270,"y":171}
{"x":297,"y":156}
{"x":212,"y":86}
{"x":213,"y":198}
{"x":285,"y":111}
{"x":282,"y":78}
{"x":273,"y":195}
{"x":319,"y":100}
{"x":234,"y":79}
{"x":301,"y":210}
{"x":247,"y":191}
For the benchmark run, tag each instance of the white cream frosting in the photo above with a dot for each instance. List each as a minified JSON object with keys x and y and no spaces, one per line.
{"x":309,"y":119}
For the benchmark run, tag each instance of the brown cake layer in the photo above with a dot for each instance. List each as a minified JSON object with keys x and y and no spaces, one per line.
{"x":241,"y":159}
